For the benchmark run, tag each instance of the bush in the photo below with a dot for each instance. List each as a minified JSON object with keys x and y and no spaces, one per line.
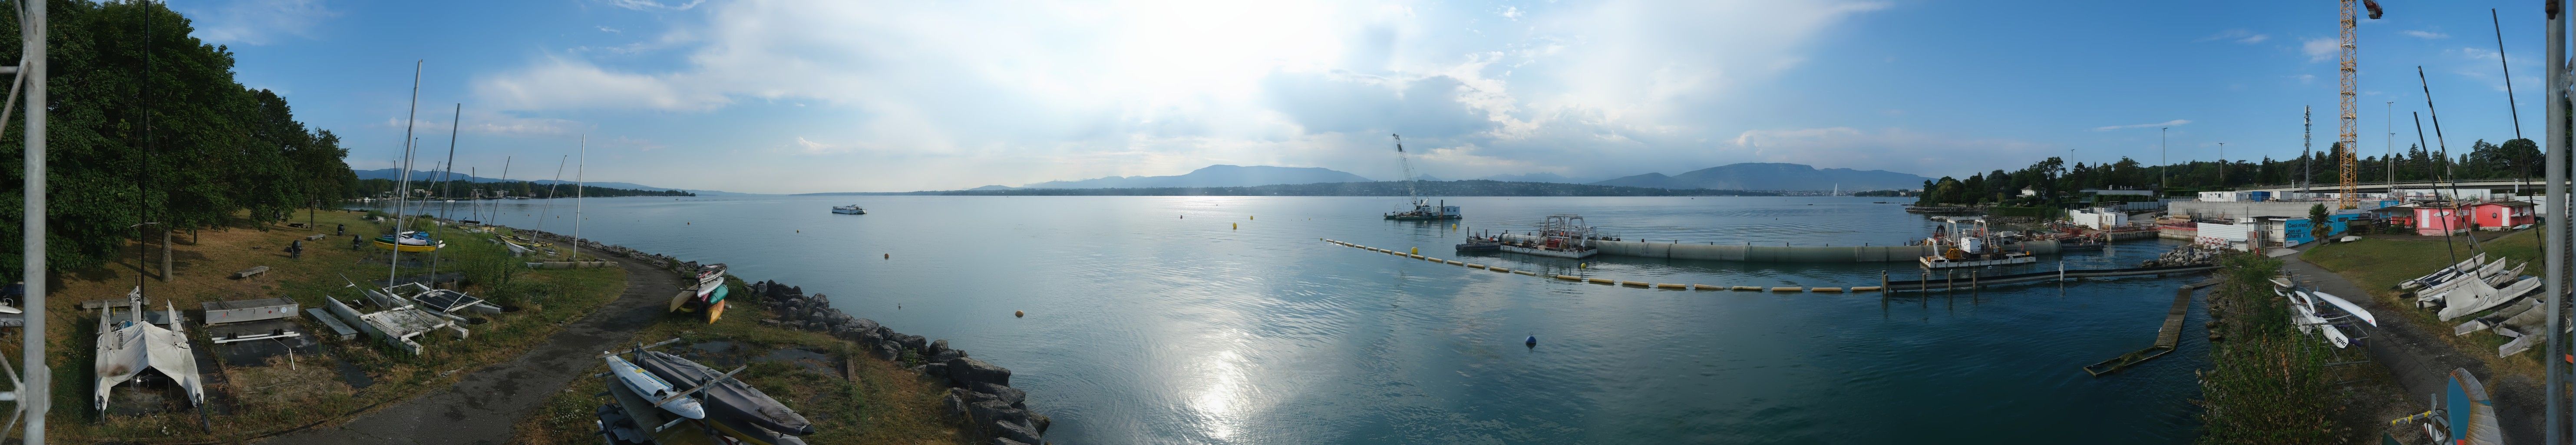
{"x":2267,"y":383}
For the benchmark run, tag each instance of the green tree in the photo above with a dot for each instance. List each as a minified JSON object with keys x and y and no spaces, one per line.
{"x":2317,"y":222}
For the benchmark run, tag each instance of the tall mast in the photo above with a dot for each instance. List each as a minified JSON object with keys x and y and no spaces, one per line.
{"x":578,"y":185}
{"x":32,"y":390}
{"x":402,"y":189}
{"x":549,"y":212}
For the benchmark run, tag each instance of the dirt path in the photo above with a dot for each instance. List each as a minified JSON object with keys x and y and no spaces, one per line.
{"x":2422,"y":363}
{"x":482,"y":407}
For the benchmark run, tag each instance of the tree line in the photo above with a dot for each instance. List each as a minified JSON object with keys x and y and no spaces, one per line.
{"x":525,"y":189}
{"x":2054,"y":182}
{"x":1471,"y":187}
{"x":147,"y":124}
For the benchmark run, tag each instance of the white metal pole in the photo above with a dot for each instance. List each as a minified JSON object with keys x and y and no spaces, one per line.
{"x":2555,"y":197}
{"x":32,"y":396}
{"x":577,"y":193}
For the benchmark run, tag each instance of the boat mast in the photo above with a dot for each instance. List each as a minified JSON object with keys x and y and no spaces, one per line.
{"x":550,"y":194}
{"x":402,"y":189}
{"x":578,"y":185}
{"x":1409,"y":192}
{"x":446,"y":200}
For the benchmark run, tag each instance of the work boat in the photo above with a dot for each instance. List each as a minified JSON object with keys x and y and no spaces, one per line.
{"x":409,"y":241}
{"x":1424,"y":211}
{"x":852,"y":209}
{"x":1964,"y":241}
{"x":1562,"y":236}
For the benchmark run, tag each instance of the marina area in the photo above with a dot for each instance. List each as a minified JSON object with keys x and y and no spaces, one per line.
{"x":1315,"y":342}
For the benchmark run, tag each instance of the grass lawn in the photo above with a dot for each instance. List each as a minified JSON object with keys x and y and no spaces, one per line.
{"x":865,"y":400}
{"x":2379,"y":264}
{"x":270,"y":397}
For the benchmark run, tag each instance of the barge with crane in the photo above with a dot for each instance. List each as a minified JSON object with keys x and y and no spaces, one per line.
{"x":1423,"y":210}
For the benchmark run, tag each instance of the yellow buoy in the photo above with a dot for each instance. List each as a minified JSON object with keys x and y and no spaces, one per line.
{"x":1249,"y":217}
{"x":1017,"y":314}
{"x":1417,"y":251}
{"x":1238,"y":226}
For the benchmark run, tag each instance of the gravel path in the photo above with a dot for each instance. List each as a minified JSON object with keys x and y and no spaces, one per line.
{"x":483,"y":407}
{"x":2422,"y":362}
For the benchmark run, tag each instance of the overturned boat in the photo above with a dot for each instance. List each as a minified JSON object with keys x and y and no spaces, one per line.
{"x":127,"y":348}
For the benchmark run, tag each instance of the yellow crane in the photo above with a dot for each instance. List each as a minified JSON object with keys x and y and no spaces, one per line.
{"x":2350,"y":196}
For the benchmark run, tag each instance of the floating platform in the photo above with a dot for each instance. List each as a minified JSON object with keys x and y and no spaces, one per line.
{"x":1971,"y":281}
{"x":2166,"y":337}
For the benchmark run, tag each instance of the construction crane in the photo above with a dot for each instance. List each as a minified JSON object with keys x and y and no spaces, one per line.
{"x":2351,"y":197}
{"x":1409,"y":192}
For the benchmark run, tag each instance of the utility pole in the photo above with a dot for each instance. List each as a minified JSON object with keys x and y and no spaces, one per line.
{"x":2222,"y":164}
{"x":2161,"y":175}
{"x":32,"y":390}
{"x":2307,"y":144}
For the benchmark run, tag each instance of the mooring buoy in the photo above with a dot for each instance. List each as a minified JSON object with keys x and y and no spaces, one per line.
{"x":1017,"y":314}
{"x":1533,"y":341}
{"x":889,"y":256}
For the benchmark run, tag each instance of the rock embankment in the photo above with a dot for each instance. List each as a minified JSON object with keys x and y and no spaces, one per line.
{"x":980,"y":396}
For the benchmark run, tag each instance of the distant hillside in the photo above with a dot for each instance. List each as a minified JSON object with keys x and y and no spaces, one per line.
{"x":1431,"y":190}
{"x":1535,"y":177}
{"x":1213,"y":176}
{"x":992,"y":187}
{"x":1773,"y":176}
{"x":424,"y":176}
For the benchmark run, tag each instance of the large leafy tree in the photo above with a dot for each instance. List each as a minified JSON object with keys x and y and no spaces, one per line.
{"x":147,"y":123}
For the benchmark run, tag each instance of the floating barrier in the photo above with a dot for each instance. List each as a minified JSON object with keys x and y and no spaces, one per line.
{"x":1415,"y":253}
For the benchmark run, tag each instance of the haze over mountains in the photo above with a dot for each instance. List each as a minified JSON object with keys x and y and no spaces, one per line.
{"x":1743,"y":176}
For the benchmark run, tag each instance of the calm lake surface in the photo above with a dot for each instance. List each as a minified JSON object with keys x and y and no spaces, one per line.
{"x":1156,"y":320}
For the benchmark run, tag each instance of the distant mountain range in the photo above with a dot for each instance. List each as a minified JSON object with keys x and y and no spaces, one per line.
{"x":1773,"y":176}
{"x":1744,"y":176}
{"x":1220,"y":175}
{"x":418,"y":175}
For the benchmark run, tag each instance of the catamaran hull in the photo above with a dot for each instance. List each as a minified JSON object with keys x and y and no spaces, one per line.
{"x":730,"y":400}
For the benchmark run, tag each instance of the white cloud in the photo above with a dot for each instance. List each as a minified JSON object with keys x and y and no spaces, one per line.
{"x":650,"y":5}
{"x":256,"y":22}
{"x":2322,"y":48}
{"x":2239,"y":35}
{"x":1892,"y":149}
{"x":606,"y":29}
{"x":2151,"y":125}
{"x":2428,"y":35}
{"x":1157,"y":87}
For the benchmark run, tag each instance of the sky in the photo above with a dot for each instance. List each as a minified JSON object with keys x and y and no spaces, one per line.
{"x":796,"y":96}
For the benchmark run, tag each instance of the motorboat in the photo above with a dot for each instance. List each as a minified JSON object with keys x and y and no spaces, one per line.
{"x":852,"y":209}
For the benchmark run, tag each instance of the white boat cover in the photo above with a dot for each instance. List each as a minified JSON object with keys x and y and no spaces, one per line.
{"x":127,"y":347}
{"x":2478,"y":296}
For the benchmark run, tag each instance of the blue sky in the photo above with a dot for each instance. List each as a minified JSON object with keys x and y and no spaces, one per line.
{"x":787,"y":96}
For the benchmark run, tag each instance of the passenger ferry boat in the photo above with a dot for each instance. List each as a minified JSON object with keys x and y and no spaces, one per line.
{"x":852,"y":209}
{"x":1562,"y":236}
{"x":1965,"y":241}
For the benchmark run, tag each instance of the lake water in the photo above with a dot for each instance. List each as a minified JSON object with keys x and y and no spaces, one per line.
{"x":1157,"y":320}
